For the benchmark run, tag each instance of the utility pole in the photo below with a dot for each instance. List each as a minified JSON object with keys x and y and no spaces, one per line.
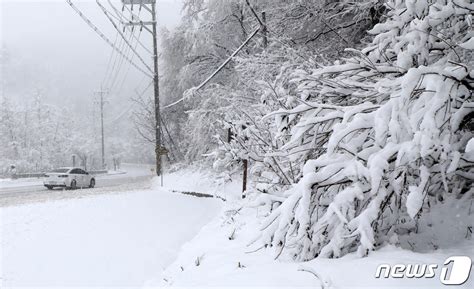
{"x":264,"y":30}
{"x":157,"y":94}
{"x":159,"y":150}
{"x":245,"y":164}
{"x":101,"y":93}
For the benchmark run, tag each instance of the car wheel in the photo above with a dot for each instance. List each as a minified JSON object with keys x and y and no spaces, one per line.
{"x":73,"y":185}
{"x":49,"y":187}
{"x":92,"y":184}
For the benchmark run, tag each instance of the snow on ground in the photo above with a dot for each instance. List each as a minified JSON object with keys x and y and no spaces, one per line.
{"x":199,"y":180}
{"x":10,"y":183}
{"x":131,"y":170}
{"x":226,"y":252}
{"x":219,"y":253}
{"x":118,"y":240}
{"x":155,"y":238}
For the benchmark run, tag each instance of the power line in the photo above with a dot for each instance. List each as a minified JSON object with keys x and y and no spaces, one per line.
{"x":115,"y":76}
{"x":122,"y":114}
{"x":128,"y":69}
{"x":107,"y":40}
{"x":114,"y":73}
{"x":218,"y":69}
{"x":118,"y":13}
{"x":120,"y":61}
{"x":117,"y":61}
{"x":118,"y":67}
{"x":123,"y":36}
{"x":109,"y":62}
{"x":130,"y":39}
{"x":133,"y":18}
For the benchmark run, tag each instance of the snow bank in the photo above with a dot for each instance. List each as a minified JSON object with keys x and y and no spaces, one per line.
{"x":227,"y":254}
{"x":217,"y":257}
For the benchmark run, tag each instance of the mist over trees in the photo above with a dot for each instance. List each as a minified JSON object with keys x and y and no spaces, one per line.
{"x":41,"y":129}
{"x":37,"y":137}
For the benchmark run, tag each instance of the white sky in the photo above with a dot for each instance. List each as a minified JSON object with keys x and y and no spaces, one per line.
{"x":55,"y":50}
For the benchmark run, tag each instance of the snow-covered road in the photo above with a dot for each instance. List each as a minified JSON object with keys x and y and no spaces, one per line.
{"x":22,"y":191}
{"x":121,"y":239}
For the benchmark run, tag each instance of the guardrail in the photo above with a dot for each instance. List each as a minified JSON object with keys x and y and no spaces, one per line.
{"x":41,"y":175}
{"x":98,"y":172}
{"x":29,"y":175}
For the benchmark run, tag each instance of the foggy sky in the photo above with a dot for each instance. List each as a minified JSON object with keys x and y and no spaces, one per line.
{"x":52,"y":49}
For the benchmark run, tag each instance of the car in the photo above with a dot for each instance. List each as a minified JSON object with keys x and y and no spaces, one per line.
{"x":68,"y":177}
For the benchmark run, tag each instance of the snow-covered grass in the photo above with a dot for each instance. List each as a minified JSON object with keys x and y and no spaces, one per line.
{"x":118,"y":240}
{"x":225,"y":254}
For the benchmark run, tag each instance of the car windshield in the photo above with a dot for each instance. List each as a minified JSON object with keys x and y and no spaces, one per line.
{"x":60,"y":171}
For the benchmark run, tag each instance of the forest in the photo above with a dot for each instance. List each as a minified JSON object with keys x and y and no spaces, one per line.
{"x":355,"y":117}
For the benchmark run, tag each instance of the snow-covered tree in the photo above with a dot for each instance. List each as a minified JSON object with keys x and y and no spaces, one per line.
{"x":386,"y":131}
{"x":35,"y":137}
{"x":212,"y":30}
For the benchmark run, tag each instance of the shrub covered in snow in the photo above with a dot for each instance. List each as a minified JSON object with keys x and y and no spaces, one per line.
{"x":388,"y":131}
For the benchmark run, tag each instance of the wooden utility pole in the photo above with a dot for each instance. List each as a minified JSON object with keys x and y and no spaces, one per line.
{"x":101,"y":94}
{"x":158,"y":147}
{"x":244,"y":180}
{"x":264,"y":30}
{"x":245,"y":164}
{"x":229,"y":135}
{"x":102,"y":128}
{"x":159,"y":150}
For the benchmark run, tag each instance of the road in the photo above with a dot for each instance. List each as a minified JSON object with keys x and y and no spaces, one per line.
{"x":106,"y":237}
{"x":32,"y":190}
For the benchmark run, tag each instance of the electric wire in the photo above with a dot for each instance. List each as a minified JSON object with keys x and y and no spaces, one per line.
{"x":128,"y":68}
{"x":108,"y":69}
{"x":107,"y":40}
{"x":134,"y":17}
{"x":119,"y":66}
{"x":116,"y":63}
{"x":123,"y":36}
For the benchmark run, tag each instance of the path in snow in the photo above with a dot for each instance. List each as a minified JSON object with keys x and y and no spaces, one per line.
{"x":118,"y":240}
